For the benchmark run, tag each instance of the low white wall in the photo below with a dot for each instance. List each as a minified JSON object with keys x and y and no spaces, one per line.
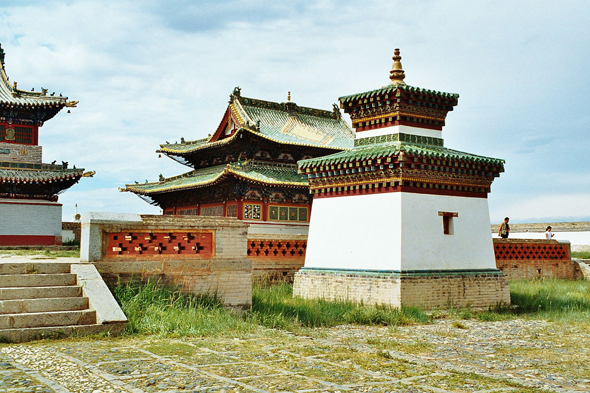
{"x":30,"y":217}
{"x":257,"y":228}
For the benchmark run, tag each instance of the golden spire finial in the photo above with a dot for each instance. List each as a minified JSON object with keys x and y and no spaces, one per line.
{"x":289,"y":96}
{"x":397,"y":74}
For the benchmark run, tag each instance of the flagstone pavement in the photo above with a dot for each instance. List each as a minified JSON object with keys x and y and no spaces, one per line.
{"x":447,"y":356}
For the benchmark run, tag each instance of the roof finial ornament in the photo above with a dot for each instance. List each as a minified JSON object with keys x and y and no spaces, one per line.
{"x":397,"y":74}
{"x":288,"y":96}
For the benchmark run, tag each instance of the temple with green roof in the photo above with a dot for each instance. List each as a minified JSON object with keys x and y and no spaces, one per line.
{"x":247,"y":168}
{"x":29,"y":210}
{"x":400,"y":219}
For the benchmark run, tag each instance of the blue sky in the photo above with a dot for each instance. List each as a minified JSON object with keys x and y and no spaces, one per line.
{"x":146,"y":72}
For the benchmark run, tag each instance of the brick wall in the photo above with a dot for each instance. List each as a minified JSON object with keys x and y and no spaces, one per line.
{"x":11,"y":152}
{"x":276,"y":257}
{"x":428,"y":291}
{"x":172,"y":249}
{"x":28,"y":222}
{"x":534,"y":258}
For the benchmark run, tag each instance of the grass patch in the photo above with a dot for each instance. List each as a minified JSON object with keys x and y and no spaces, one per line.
{"x":44,"y":253}
{"x":154,"y":308}
{"x":275,"y":307}
{"x":550,"y":299}
{"x":581,"y":254}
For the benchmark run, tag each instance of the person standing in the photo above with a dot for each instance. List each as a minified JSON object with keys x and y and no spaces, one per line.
{"x":548,"y":234}
{"x":504,"y":229}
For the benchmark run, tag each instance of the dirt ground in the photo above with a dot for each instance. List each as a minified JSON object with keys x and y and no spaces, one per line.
{"x":447,"y":356}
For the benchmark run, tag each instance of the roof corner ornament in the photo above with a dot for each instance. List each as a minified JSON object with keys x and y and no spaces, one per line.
{"x":72,"y":104}
{"x":237,"y":93}
{"x":161,"y":178}
{"x":336,"y":110}
{"x":2,"y":56}
{"x":89,"y":174}
{"x":397,"y":74}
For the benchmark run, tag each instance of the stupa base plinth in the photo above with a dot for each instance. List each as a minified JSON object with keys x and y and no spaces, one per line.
{"x":478,"y":289}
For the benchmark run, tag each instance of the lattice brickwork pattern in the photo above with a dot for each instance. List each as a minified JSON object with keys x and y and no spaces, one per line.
{"x":276,"y":249}
{"x":530,"y":251}
{"x":198,"y":244}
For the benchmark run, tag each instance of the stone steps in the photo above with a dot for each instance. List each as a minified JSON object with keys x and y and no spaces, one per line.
{"x":40,"y":292}
{"x":34,"y":268}
{"x":54,"y":299}
{"x":37,"y":280}
{"x":43,"y":305}
{"x":43,"y":319}
{"x":38,"y":333}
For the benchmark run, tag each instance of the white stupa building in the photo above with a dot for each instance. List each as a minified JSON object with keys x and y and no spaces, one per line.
{"x":401,"y":219}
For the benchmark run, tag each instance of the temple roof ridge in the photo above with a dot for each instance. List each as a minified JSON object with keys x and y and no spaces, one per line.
{"x":391,"y":88}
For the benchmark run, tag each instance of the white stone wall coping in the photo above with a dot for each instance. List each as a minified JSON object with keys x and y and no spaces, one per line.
{"x":99,"y":296}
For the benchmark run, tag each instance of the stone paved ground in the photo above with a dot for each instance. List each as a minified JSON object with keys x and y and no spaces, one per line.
{"x":447,"y":356}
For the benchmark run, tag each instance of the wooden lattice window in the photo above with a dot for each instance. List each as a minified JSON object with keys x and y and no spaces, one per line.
{"x":288,"y":213}
{"x":231,"y":210}
{"x":188,"y":212}
{"x":216,"y":211}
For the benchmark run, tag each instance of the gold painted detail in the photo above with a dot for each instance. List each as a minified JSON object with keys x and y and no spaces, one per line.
{"x":397,"y":75}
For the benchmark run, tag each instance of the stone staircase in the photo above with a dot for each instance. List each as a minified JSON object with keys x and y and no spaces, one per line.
{"x":54,"y":299}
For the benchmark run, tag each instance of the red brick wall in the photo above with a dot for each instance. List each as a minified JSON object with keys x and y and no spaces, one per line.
{"x":532,"y":258}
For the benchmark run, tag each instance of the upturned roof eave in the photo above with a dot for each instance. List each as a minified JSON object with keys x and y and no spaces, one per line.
{"x":393,"y":87}
{"x":391,"y":149}
{"x":228,"y":170}
{"x":234,"y":136}
{"x":20,"y":97}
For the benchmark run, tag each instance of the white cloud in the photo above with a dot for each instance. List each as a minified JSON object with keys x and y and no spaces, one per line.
{"x":150,"y":71}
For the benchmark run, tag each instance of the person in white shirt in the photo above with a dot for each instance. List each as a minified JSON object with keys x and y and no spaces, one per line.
{"x":549,"y":235}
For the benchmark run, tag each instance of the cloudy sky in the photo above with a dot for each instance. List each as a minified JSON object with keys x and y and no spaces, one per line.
{"x":150,"y":71}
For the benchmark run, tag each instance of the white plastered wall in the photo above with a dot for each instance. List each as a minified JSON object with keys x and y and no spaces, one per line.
{"x":399,"y":129}
{"x":426,"y":247}
{"x":355,"y":232}
{"x":30,"y":217}
{"x":399,"y":231}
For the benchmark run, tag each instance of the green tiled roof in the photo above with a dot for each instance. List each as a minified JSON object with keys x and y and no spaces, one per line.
{"x":35,"y":176}
{"x":187,"y":145}
{"x":284,"y":122}
{"x":392,"y":88}
{"x":289,"y":123}
{"x":258,"y":172}
{"x":394,"y":148}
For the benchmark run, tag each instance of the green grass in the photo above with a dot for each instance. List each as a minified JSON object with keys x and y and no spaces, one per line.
{"x":153,"y":308}
{"x":46,"y":253}
{"x":549,"y":299}
{"x":275,"y":307}
{"x":581,"y":254}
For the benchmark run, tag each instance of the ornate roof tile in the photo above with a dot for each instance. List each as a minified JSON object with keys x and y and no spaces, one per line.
{"x":253,"y":171}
